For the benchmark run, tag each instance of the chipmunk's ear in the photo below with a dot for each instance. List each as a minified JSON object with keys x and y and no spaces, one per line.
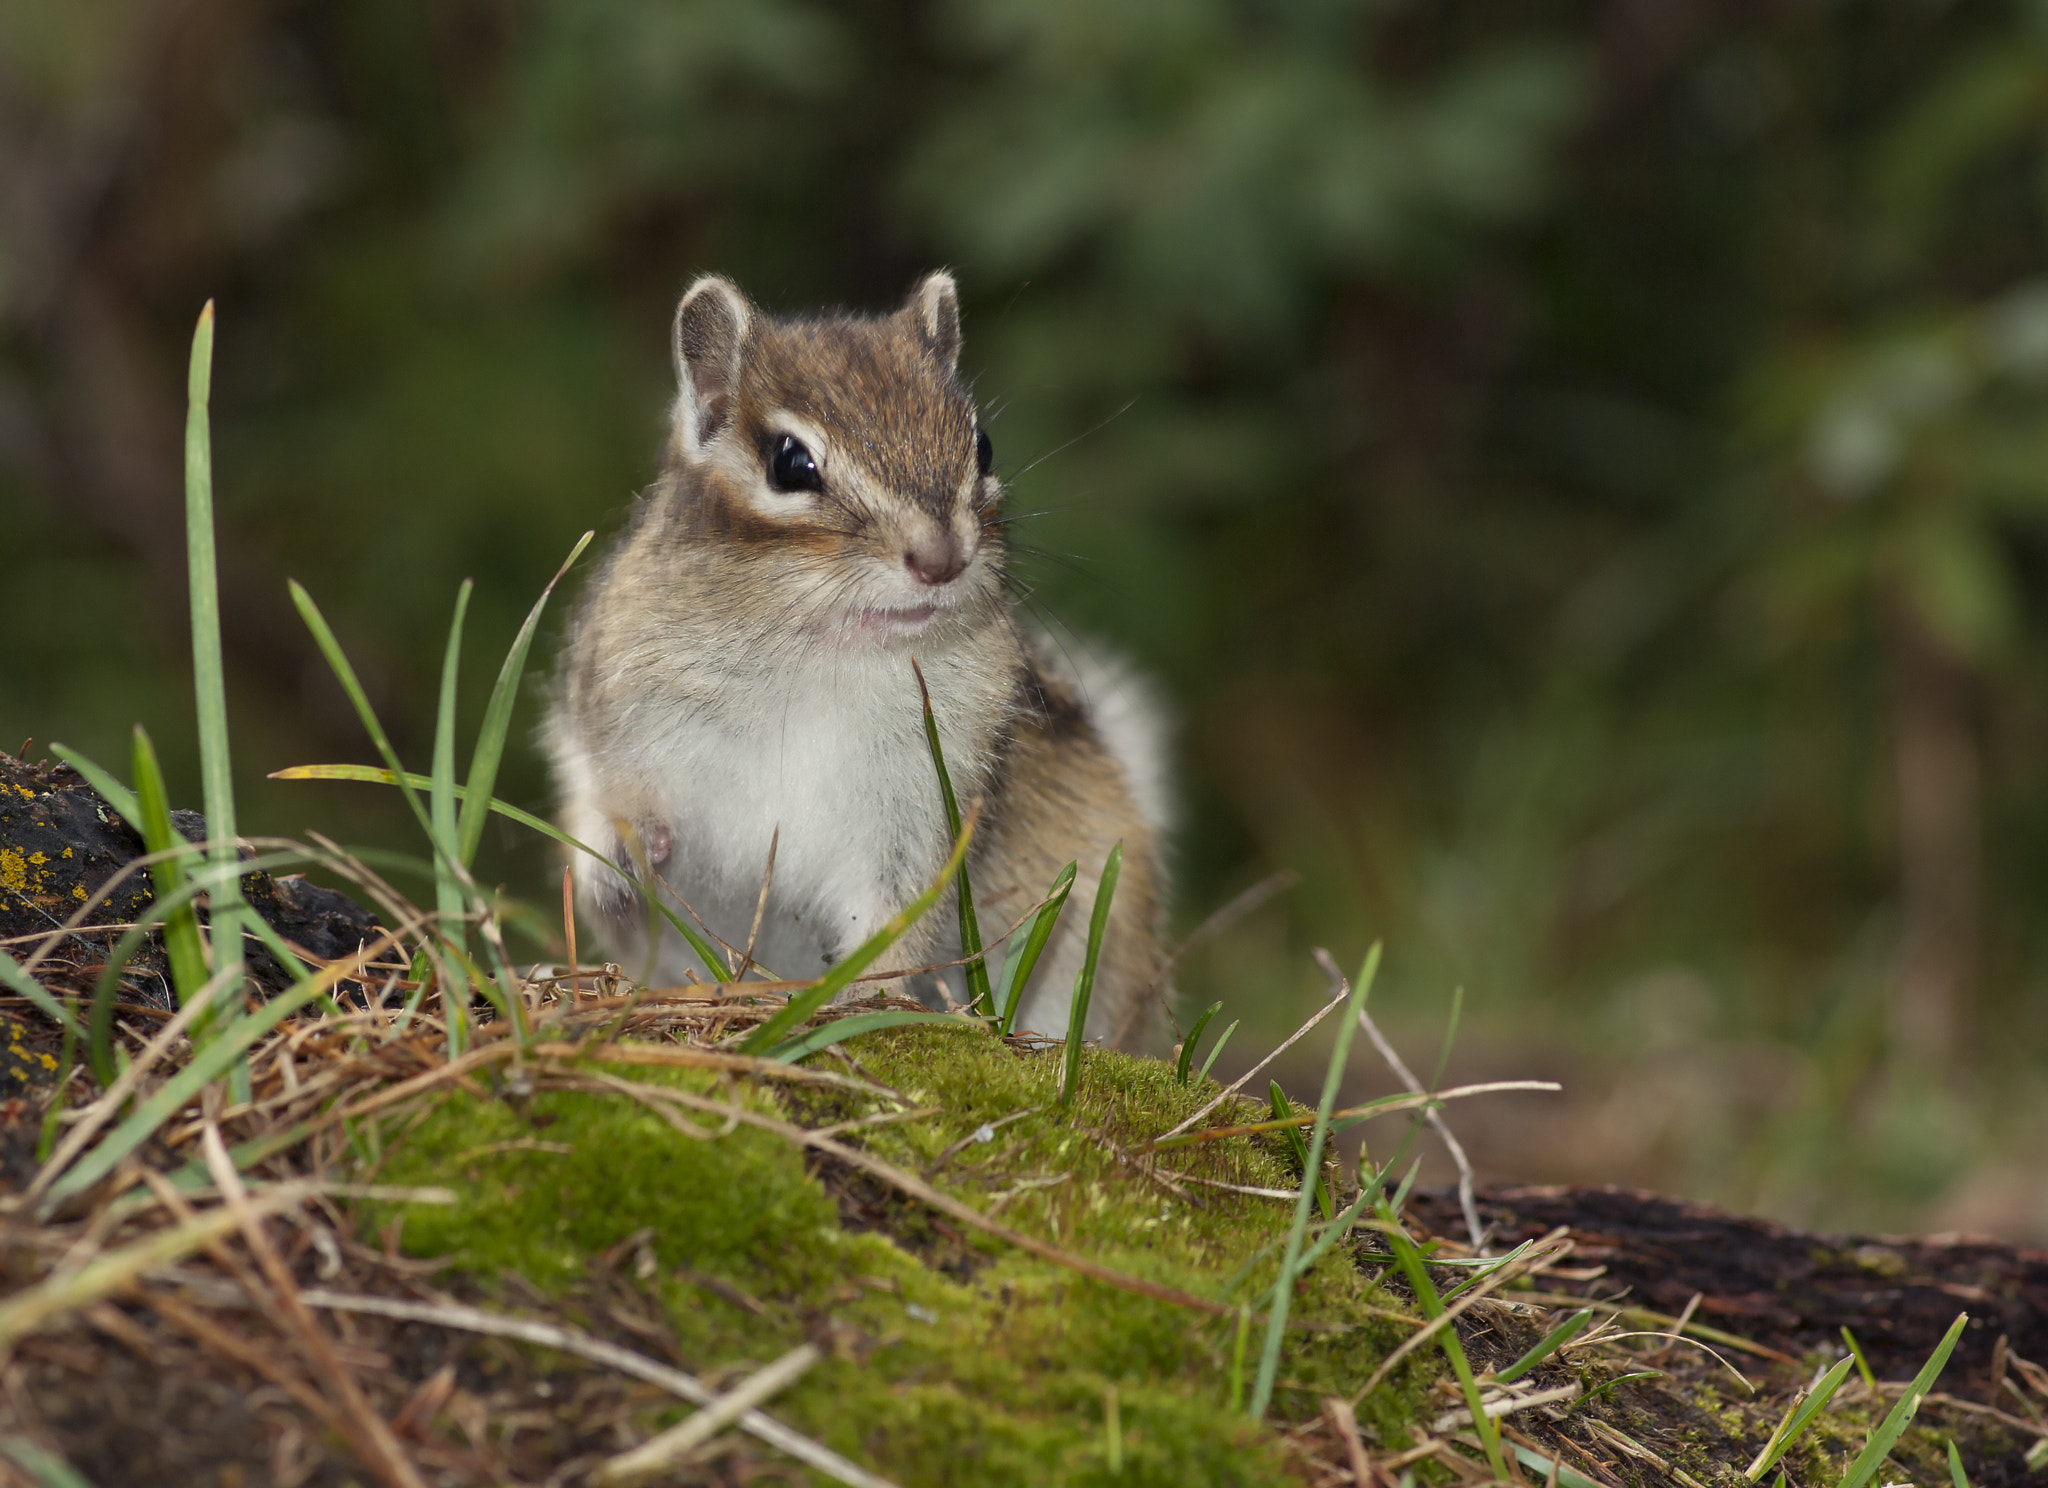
{"x":934,"y":308}
{"x":711,"y":329}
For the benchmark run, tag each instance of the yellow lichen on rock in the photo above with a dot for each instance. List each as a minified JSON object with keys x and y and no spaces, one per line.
{"x":13,"y":871}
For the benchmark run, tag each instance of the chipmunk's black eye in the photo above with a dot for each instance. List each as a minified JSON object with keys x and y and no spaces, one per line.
{"x":791,"y":467}
{"x":984,"y":452}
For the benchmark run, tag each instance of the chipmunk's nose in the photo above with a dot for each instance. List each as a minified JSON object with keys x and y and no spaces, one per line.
{"x":936,"y":559}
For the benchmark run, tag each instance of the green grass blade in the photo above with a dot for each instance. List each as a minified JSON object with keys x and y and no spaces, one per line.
{"x":1879,"y":1447}
{"x":850,"y":966}
{"x":344,"y":673}
{"x":24,"y":985}
{"x":182,"y":946}
{"x":378,"y":775}
{"x":1339,"y":1227}
{"x":449,"y":899}
{"x":1371,"y":1191}
{"x":1283,"y":1109}
{"x":974,"y":964}
{"x":1187,"y":1045}
{"x":441,"y":788}
{"x":111,"y":790}
{"x":1283,"y":1284}
{"x":1410,"y":1259}
{"x":209,"y":676}
{"x":1400,"y":1199}
{"x":1547,"y":1345}
{"x":1608,"y":1387}
{"x":1798,"y":1418}
{"x":790,"y":1051}
{"x":1543,"y":1467}
{"x":1486,"y":1268}
{"x":375,"y":775}
{"x":1956,"y":1476}
{"x":1023,"y":957}
{"x":1443,"y":1057}
{"x":510,"y":1001}
{"x":1217,"y":1048}
{"x":1862,"y":1364}
{"x":1008,"y":983}
{"x":1244,"y":1332}
{"x":490,"y":739}
{"x":705,"y":950}
{"x":46,"y":1468}
{"x":1084,"y":982}
{"x":501,"y":990}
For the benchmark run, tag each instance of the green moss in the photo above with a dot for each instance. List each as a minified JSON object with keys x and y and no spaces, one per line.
{"x":962,"y":1361}
{"x":543,"y":1212}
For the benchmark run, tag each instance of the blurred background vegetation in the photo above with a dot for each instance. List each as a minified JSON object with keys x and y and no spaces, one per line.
{"x":1578,"y":467}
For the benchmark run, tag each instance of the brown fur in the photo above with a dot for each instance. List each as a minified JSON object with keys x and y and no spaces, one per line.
{"x":1061,"y":796}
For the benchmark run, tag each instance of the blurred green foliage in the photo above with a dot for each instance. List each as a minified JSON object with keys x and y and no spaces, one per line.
{"x":1579,"y":469}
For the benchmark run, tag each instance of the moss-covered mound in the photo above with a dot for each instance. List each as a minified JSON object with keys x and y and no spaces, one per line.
{"x":954,"y":1359}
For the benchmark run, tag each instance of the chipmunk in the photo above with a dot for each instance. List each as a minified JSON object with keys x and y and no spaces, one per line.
{"x":740,"y":673}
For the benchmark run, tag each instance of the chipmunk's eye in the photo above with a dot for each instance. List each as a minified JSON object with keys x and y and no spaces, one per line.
{"x":791,"y":467}
{"x":984,"y":452}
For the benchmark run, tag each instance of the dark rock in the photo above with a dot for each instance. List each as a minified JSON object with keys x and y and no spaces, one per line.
{"x":1788,"y":1289}
{"x":60,"y":843}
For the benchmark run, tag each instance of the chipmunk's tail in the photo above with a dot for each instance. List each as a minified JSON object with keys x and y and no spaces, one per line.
{"x":1126,"y":708}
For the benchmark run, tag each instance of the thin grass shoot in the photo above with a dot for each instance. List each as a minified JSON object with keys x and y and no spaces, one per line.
{"x":1805,"y":1407}
{"x":1283,"y":1284}
{"x":1025,"y":950}
{"x":1215,"y":1049}
{"x":226,"y":911}
{"x":1862,"y":1364}
{"x":1186,"y":1056}
{"x":1410,"y":1259}
{"x":974,"y":966}
{"x":1547,"y":1345}
{"x":1882,"y":1440}
{"x":1084,"y":980}
{"x":799,"y":1008}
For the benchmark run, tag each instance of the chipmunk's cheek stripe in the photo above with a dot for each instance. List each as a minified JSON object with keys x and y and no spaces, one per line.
{"x":729,"y":517}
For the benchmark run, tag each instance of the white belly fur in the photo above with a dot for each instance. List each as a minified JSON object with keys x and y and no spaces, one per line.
{"x":832,"y":754}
